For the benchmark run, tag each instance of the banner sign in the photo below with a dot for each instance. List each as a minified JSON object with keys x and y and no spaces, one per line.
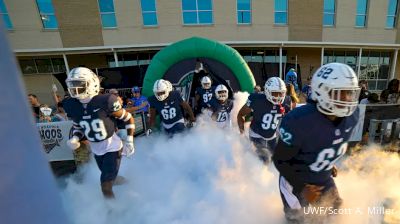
{"x":55,"y":135}
{"x":357,"y":134}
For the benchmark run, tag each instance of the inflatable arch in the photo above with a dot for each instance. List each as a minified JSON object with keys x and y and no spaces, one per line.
{"x":197,"y":47}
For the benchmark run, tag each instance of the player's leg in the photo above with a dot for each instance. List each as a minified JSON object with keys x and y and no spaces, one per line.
{"x":109,"y":171}
{"x":330,"y":195}
{"x":177,"y":128}
{"x":293,"y":203}
{"x":261,"y":149}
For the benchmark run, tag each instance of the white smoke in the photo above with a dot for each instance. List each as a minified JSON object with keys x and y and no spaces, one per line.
{"x":208,"y":175}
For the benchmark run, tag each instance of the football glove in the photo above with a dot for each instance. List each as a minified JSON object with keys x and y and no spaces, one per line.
{"x":73,"y":143}
{"x":191,"y":124}
{"x":312,"y":192}
{"x":148,"y":132}
{"x":128,"y":149}
{"x":334,"y":171}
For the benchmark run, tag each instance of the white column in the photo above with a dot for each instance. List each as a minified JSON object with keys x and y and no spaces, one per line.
{"x":115,"y":58}
{"x":322,"y":55}
{"x":394,"y":62}
{"x":66,"y":63}
{"x":280,"y":62}
{"x":359,"y":63}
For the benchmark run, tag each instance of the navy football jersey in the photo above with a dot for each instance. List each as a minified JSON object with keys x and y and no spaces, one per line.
{"x":170,"y":110}
{"x":221,"y":112}
{"x":266,"y":116}
{"x":206,"y":95}
{"x":309,"y":144}
{"x":95,"y":119}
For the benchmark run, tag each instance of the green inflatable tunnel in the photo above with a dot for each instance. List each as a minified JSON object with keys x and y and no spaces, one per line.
{"x":197,"y":47}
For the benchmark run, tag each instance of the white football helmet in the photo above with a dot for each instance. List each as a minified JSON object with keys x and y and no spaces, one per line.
{"x":161,"y":89}
{"x":206,"y":82}
{"x":170,"y":87}
{"x":221,"y":92}
{"x":335,"y":88}
{"x":82,"y":83}
{"x":275,"y":90}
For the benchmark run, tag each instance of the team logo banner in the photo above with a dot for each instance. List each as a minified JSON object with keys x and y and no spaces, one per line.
{"x":54,"y":137}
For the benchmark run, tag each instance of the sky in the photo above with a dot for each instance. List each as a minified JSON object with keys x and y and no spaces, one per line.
{"x":210,"y":175}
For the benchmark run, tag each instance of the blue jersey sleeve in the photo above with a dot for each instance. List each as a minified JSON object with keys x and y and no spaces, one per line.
{"x":288,"y":132}
{"x":113,"y":104}
{"x":250,"y":101}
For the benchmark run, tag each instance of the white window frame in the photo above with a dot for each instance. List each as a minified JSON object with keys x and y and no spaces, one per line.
{"x":197,"y":14}
{"x":6,"y":13}
{"x":148,"y":12}
{"x":330,"y":13}
{"x":106,"y":13}
{"x":393,"y":16}
{"x":251,"y":13}
{"x":46,"y":14}
{"x":287,"y":15}
{"x":365,"y":15}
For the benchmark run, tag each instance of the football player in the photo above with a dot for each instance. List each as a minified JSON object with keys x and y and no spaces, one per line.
{"x":267,"y":112}
{"x":305,"y":157}
{"x":170,"y":106}
{"x":204,"y":94}
{"x":221,"y":107}
{"x":92,"y":115}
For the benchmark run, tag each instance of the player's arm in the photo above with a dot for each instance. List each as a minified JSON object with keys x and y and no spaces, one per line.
{"x":77,"y":135}
{"x":153,"y":114}
{"x":186,"y":107}
{"x":128,"y":119}
{"x":115,"y":110}
{"x":196,"y":101}
{"x":243,"y":112}
{"x":128,"y":147}
{"x":287,"y":147}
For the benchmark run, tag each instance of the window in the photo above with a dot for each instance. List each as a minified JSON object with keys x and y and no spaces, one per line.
{"x":280,"y":12}
{"x":329,"y":13}
{"x":107,"y":13}
{"x":131,"y":59}
{"x":392,"y":14}
{"x":374,"y":65}
{"x":197,"y":12}
{"x":149,"y":12}
{"x":361,"y":16}
{"x":42,"y":65}
{"x":374,"y":68}
{"x":46,"y":11}
{"x":5,"y":16}
{"x":244,"y":11}
{"x":347,"y":57}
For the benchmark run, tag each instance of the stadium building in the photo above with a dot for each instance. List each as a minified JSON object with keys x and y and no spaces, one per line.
{"x":49,"y":37}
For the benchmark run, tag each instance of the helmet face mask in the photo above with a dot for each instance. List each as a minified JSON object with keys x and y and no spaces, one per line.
{"x":161,"y":89}
{"x":221,"y":93}
{"x":275,"y":90}
{"x":335,"y":89}
{"x":206,"y":82}
{"x":76,"y":87}
{"x":82,"y":83}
